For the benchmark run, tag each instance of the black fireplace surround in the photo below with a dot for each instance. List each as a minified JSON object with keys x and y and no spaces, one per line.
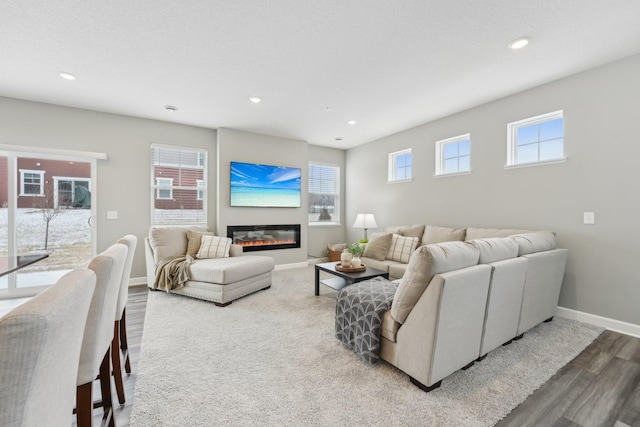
{"x":265,"y":237}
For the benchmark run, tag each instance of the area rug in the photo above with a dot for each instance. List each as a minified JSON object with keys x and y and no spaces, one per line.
{"x":271,"y":359}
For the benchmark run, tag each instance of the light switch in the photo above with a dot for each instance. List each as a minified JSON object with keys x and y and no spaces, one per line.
{"x":589,"y":218}
{"x":112,"y":214}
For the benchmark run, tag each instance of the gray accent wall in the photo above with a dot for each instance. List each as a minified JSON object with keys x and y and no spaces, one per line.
{"x":601,"y":117}
{"x":248,"y":147}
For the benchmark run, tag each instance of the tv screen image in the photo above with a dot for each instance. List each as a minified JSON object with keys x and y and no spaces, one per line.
{"x":257,"y":185}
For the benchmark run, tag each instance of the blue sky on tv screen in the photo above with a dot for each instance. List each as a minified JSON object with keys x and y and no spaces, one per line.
{"x":264,"y":176}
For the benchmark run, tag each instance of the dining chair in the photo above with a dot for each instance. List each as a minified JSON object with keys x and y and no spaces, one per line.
{"x":95,"y":356}
{"x":40,"y":343}
{"x":120,"y":326}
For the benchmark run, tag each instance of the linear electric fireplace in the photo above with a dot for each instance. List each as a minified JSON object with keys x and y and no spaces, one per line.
{"x":265,"y":237}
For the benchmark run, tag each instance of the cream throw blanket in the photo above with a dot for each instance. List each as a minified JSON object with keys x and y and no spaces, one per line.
{"x":172,"y":272}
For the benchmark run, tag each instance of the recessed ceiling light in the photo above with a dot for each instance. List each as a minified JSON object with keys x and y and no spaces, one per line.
{"x":519,"y":43}
{"x":352,"y":122}
{"x":338,"y":139}
{"x":255,"y":99}
{"x":171,"y":108}
{"x":67,"y":76}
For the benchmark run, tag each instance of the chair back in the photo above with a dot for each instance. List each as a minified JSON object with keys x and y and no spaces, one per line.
{"x":130,"y":241}
{"x":98,"y":333}
{"x":40,"y":342}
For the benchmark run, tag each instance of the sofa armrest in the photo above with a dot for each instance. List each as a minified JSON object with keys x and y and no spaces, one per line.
{"x":150,"y":262}
{"x":236,"y":250}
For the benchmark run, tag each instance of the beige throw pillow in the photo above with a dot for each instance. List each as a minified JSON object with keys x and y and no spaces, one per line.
{"x":434,"y":234}
{"x":194,"y":239}
{"x":214,"y":247}
{"x":401,"y":248}
{"x":378,"y":246}
{"x":426,"y":262}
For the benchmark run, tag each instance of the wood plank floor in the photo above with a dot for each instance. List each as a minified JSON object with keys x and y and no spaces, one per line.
{"x":600,"y":387}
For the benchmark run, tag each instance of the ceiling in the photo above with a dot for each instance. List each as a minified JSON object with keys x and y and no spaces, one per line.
{"x":388,"y":65}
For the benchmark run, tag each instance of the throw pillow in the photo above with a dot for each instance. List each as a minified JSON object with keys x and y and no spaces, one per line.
{"x":214,"y":247}
{"x":194,"y":239}
{"x":401,"y":248}
{"x":378,"y":246}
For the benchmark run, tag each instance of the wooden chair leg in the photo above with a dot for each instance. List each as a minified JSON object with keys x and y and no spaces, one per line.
{"x":115,"y":361}
{"x":105,"y":388}
{"x":84,"y":405}
{"x":123,"y":342}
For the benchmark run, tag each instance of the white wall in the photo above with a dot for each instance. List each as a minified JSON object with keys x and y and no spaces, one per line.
{"x":123,"y":181}
{"x":601,"y":116}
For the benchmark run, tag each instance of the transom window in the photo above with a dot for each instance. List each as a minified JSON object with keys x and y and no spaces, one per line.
{"x":536,"y":140}
{"x":178,"y":185}
{"x":324,"y":194}
{"x":453,"y":155}
{"x":400,"y":164}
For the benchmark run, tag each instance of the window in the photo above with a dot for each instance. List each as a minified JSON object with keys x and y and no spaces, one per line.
{"x":400,"y":166}
{"x":536,"y":140}
{"x":31,"y":183}
{"x":453,"y":155}
{"x":165,"y":190}
{"x":324,"y":194}
{"x":178,"y":185}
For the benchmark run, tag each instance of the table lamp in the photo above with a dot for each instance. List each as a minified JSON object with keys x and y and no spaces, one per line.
{"x":365,"y":220}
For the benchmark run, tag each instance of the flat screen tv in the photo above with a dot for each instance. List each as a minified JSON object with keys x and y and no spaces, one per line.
{"x":257,"y":185}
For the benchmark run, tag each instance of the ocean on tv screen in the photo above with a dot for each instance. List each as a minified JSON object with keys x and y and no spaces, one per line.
{"x":257,"y":185}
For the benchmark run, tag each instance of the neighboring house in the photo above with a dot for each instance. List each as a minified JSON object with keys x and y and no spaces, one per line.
{"x":177,"y":175}
{"x":48,"y":183}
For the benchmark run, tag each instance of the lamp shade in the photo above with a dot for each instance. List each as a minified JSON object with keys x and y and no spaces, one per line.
{"x":365,"y":220}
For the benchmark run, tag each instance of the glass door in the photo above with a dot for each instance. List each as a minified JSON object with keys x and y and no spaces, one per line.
{"x":47,"y":208}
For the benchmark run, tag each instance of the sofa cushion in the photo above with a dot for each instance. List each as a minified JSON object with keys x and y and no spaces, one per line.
{"x":378,"y":246}
{"x":214,"y":247}
{"x":401,"y":248}
{"x":434,"y":234}
{"x":407,"y":230}
{"x":480,"y":233}
{"x":170,"y":240}
{"x":494,"y":249}
{"x":229,"y":270}
{"x":425,"y":263}
{"x":538,"y":241}
{"x":194,"y":239}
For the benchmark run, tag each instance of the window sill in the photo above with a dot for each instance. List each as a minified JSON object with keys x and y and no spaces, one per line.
{"x":324,"y":224}
{"x":542,"y":163}
{"x":399,"y":181}
{"x":446,"y":175}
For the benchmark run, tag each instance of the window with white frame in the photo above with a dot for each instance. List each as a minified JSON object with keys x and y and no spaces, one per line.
{"x":536,"y":140}
{"x":178,"y":185}
{"x":400,"y":166}
{"x":453,"y":155}
{"x":31,"y":182}
{"x":324,"y":194}
{"x":165,"y":188}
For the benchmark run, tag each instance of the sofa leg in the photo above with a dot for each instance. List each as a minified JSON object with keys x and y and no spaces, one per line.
{"x":519,"y":337}
{"x":465,"y":367}
{"x":508,"y":342}
{"x":268,"y":287}
{"x":549,"y":319}
{"x":481,"y":358}
{"x":423,"y":387}
{"x":222,"y":304}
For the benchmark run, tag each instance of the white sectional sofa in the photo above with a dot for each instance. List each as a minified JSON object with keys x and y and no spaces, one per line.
{"x":458,"y":300}
{"x":220,"y":280}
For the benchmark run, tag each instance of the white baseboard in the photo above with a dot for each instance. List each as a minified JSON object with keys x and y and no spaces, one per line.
{"x":292,"y":265}
{"x":605,"y":322}
{"x":137,"y":281}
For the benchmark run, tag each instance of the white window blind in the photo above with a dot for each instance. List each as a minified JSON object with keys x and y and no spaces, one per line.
{"x":324,"y":194}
